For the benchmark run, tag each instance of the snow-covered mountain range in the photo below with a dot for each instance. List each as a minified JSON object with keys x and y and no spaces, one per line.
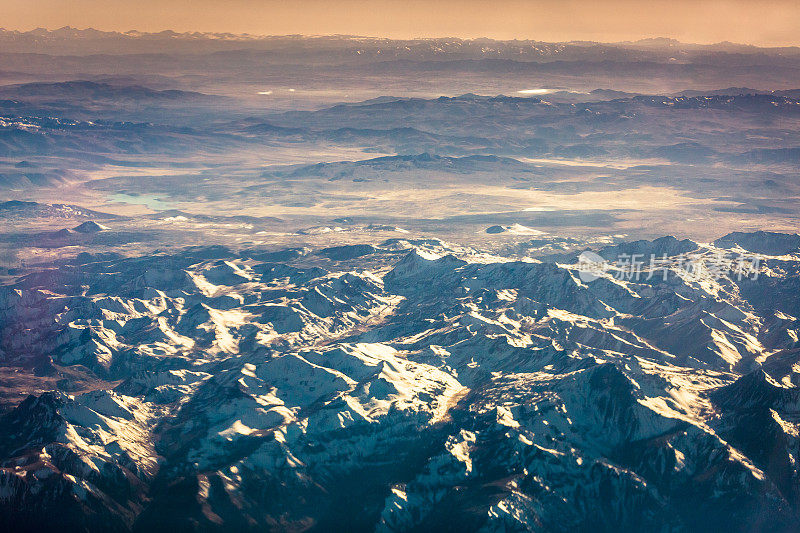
{"x":410,"y":385}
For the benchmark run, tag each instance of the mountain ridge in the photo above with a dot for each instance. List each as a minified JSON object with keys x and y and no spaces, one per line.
{"x":444,"y":373}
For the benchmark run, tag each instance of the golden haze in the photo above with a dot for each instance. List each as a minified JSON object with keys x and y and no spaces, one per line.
{"x":760,"y":22}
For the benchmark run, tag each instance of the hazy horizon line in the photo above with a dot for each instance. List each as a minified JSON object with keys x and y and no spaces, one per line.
{"x":256,"y":36}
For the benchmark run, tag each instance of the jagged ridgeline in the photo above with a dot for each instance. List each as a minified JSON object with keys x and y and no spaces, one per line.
{"x":410,"y":385}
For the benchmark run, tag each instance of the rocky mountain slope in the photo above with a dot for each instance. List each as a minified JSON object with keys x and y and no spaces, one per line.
{"x":407,"y":386}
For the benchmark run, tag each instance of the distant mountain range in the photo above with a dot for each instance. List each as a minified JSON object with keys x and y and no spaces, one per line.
{"x":68,"y":40}
{"x":92,"y":92}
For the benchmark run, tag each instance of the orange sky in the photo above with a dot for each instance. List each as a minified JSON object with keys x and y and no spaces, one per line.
{"x":761,"y":22}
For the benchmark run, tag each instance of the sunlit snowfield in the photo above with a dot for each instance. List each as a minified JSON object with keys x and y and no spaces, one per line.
{"x":341,"y":284}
